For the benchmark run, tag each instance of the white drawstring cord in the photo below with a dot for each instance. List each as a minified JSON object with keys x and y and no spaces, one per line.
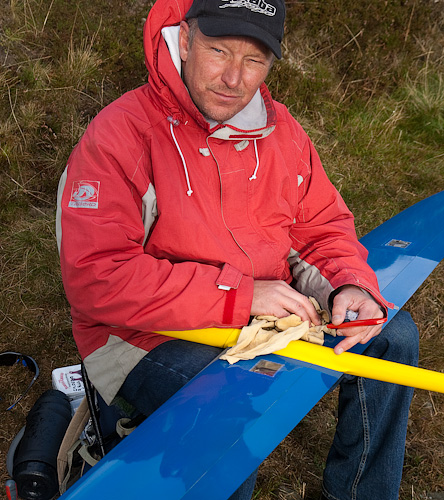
{"x":257,"y":162}
{"x":190,"y":191}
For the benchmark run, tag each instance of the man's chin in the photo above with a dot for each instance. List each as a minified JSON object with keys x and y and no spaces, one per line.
{"x":219,"y":117}
{"x":214,"y":110}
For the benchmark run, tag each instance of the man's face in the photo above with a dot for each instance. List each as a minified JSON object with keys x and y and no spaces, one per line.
{"x":222,"y":74}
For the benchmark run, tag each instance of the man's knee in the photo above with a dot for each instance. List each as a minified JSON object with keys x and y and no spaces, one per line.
{"x":398,"y":341}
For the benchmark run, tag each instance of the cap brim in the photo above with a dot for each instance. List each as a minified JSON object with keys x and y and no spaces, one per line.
{"x":221,"y":26}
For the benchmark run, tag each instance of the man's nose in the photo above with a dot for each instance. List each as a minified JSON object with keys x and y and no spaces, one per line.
{"x":232,"y":75}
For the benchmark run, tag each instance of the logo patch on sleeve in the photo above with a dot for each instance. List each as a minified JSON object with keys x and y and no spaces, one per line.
{"x":84,"y":194}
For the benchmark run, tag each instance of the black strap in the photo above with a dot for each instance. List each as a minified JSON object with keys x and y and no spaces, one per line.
{"x":91,"y":398}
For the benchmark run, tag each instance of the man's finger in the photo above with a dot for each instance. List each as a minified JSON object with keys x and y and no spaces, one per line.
{"x":361,"y":337}
{"x":347,"y":344}
{"x":372,"y":333}
{"x":280,"y":299}
{"x":303,"y":307}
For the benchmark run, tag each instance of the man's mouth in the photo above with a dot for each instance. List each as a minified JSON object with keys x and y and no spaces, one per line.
{"x":226,"y":97}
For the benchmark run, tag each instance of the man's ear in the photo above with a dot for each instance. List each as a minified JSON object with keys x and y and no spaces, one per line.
{"x":184,"y":35}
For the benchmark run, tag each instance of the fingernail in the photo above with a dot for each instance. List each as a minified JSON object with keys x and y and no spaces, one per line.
{"x":339,"y":350}
{"x":337,"y":319}
{"x":339,"y":334}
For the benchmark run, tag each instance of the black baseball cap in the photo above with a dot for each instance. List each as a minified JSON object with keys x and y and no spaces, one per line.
{"x":259,"y":19}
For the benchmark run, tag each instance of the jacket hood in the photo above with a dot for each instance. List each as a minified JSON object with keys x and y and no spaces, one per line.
{"x":164,"y":79}
{"x":163,"y":63}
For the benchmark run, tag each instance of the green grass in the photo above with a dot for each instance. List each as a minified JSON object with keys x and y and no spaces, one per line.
{"x":363,"y":78}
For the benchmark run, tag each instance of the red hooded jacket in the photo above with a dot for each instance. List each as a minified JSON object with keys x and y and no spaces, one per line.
{"x":157,"y":208}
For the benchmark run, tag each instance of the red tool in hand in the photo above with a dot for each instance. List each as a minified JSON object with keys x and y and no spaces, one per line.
{"x":358,"y":322}
{"x":351,"y":321}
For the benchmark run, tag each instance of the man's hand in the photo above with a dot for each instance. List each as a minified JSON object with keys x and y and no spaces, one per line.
{"x":353,"y":298}
{"x":277,"y":298}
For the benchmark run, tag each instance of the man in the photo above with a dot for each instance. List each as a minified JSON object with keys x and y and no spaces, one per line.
{"x":197,"y":201}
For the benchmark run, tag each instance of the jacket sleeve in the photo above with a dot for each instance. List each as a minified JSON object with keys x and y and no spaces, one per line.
{"x":326,"y":253}
{"x":108,"y":277}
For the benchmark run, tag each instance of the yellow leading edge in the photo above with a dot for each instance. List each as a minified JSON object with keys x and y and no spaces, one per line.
{"x":347,"y":362}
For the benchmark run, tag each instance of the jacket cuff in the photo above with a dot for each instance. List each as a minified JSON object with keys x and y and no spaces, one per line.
{"x":229,"y":278}
{"x":238,"y":296}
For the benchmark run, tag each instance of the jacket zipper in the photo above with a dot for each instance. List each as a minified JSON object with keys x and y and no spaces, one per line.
{"x":222,"y":210}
